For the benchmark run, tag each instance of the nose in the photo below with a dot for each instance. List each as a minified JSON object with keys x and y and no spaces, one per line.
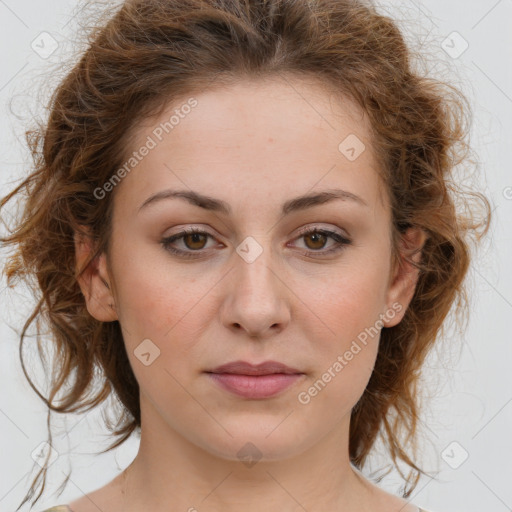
{"x":257,"y":297}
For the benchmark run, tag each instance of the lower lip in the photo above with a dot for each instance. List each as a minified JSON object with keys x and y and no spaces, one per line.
{"x":255,"y":386}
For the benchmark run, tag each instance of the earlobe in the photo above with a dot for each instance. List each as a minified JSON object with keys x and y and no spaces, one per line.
{"x":94,"y":280}
{"x":403,"y":284}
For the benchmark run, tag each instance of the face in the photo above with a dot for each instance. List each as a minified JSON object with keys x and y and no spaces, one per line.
{"x":266,"y":277}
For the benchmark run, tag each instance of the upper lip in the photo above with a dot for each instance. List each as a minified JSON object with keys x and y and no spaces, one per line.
{"x":245,"y":368}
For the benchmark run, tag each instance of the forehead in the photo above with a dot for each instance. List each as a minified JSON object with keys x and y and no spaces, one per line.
{"x":270,"y":138}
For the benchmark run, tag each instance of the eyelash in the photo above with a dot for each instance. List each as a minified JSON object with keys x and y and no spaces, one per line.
{"x":342,"y":242}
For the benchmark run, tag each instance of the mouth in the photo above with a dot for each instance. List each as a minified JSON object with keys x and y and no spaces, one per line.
{"x":252,"y":381}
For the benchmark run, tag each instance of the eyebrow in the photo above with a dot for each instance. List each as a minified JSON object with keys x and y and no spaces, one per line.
{"x":217,"y":205}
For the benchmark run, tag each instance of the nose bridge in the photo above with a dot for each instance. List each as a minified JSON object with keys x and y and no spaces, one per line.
{"x":256,"y":300}
{"x":254,"y":272}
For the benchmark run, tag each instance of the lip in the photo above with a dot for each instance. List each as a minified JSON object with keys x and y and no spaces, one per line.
{"x":255,"y":381}
{"x":245,"y":368}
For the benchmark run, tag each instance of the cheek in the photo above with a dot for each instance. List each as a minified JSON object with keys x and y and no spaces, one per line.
{"x":348,"y":300}
{"x":343,"y":320}
{"x":169,"y":304}
{"x":344,"y":354}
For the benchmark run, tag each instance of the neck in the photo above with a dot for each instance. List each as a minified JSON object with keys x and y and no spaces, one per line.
{"x":171,"y":471}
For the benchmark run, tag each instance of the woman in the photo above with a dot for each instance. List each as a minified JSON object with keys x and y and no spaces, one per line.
{"x":242,"y":214}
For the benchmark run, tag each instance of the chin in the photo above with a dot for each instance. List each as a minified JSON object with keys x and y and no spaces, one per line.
{"x":265,"y":440}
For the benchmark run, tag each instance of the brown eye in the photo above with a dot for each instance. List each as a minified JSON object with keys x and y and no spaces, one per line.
{"x":193,"y":241}
{"x":318,"y":240}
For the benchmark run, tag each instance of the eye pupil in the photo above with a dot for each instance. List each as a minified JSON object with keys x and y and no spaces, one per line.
{"x":195,"y":239}
{"x":315,"y":236}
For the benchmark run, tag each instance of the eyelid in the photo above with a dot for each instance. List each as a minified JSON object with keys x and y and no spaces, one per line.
{"x":318,"y":227}
{"x":179,"y":235}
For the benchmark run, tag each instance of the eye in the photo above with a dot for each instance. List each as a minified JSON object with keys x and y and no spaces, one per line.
{"x":195,"y":240}
{"x":316,"y":239}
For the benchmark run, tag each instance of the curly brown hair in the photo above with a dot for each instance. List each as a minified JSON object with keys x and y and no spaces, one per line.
{"x":149,"y":53}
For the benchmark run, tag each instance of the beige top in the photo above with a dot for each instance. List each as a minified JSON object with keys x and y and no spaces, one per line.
{"x":58,"y":508}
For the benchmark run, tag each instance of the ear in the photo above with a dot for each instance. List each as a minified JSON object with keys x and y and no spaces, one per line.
{"x":405,"y":275}
{"x":94,"y":281}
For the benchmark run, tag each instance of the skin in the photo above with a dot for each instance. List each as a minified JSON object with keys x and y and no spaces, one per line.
{"x":253,"y":145}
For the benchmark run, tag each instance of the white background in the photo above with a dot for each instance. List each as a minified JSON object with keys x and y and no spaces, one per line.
{"x":468,"y":378}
